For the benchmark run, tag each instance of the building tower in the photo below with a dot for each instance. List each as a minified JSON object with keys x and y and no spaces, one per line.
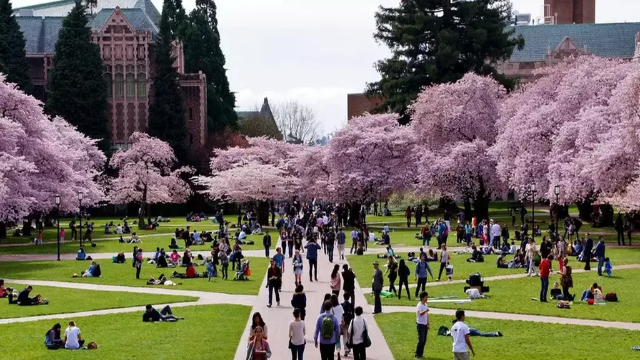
{"x":570,"y":11}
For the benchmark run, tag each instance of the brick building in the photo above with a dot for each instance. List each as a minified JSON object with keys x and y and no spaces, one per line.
{"x":125,"y":31}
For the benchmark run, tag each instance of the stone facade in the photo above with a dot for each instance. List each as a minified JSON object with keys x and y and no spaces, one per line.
{"x":125,"y":38}
{"x":570,"y":11}
{"x":358,"y":104}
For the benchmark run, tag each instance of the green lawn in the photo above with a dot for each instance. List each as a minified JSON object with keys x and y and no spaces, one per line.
{"x":125,"y":336}
{"x":514,"y":296}
{"x":124,"y":274}
{"x":531,"y":340}
{"x":71,"y":300}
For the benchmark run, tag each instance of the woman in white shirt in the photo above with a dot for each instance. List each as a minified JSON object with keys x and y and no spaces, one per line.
{"x":72,"y":338}
{"x":337,"y":311}
{"x":444,"y":260}
{"x":356,"y":335}
{"x":531,"y":251}
{"x":296,"y":336}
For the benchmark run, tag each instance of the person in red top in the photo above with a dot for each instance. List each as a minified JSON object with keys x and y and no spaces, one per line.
{"x":191,"y":271}
{"x":545,"y":269}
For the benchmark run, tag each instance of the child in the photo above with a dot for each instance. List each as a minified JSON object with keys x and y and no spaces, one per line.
{"x":607,"y":267}
{"x":555,"y":292}
{"x":62,"y":235}
{"x":211,"y":269}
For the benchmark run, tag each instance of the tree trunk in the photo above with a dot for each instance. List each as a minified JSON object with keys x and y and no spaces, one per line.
{"x":263,"y":213}
{"x":585,"y":208}
{"x":3,"y":230}
{"x":467,"y":209}
{"x":143,"y":208}
{"x":354,"y":211}
{"x":481,"y":206}
{"x":446,"y":203}
{"x":26,"y":226}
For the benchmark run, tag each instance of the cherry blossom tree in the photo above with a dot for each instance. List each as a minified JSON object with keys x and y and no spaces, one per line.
{"x":145,"y":175}
{"x":454,"y":125}
{"x":42,"y":157}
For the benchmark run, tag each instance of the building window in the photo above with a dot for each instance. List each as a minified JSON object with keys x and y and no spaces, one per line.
{"x":118,"y":52}
{"x":119,"y":86}
{"x":141,"y":52}
{"x":130,"y":52}
{"x":190,"y":113}
{"x":106,"y":51}
{"x":140,"y":68}
{"x":142,"y":85}
{"x":107,"y":68}
{"x":107,"y":79}
{"x":119,"y":68}
{"x":131,"y":85}
{"x":130,"y":69}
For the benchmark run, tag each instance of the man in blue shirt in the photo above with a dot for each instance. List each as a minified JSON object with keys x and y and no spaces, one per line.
{"x":341,"y":239}
{"x":354,"y":240}
{"x":279,"y":259}
{"x":421,"y":273}
{"x":326,"y":338}
{"x":599,"y":252}
{"x":312,"y":255}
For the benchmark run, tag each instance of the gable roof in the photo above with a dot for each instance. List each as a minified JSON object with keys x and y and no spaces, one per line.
{"x":40,"y":34}
{"x":605,"y":40}
{"x":136,"y":17}
{"x":62,"y":8}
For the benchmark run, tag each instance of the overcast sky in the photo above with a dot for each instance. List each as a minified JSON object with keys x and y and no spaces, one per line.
{"x":317,"y":52}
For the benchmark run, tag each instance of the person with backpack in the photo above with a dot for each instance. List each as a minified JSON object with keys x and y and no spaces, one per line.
{"x":358,"y":335}
{"x":347,"y":316}
{"x":420,"y":274}
{"x":326,"y":332}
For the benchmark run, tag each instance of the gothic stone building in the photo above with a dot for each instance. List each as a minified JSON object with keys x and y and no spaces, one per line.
{"x":125,"y":31}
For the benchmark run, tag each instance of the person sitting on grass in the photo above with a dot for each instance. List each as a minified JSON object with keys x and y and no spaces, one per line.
{"x":3,"y":291}
{"x":152,"y":315}
{"x":93,"y":270}
{"x":432,"y":255}
{"x":174,"y":258}
{"x":107,"y":229}
{"x":81,"y":254}
{"x":191,"y":271}
{"x":476,"y":255}
{"x":162,"y":260}
{"x":135,"y":239}
{"x":25,"y":300}
{"x":52,"y":340}
{"x":501,"y":263}
{"x":591,"y":292}
{"x":72,"y":338}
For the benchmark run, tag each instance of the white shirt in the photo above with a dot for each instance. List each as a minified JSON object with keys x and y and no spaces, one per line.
{"x":71,"y":334}
{"x":338,"y":311}
{"x":119,"y":230}
{"x":357,"y":329}
{"x":242,"y":235}
{"x":458,"y":332}
{"x":496,"y":230}
{"x":444,"y":257}
{"x":422,"y":319}
{"x":372,"y":236}
{"x":297,"y":332}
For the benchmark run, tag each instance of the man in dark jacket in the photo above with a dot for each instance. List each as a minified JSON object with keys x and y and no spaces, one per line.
{"x":266,"y":241}
{"x":274,"y":280}
{"x":588,"y":246}
{"x":349,"y":283}
{"x":376,"y":285}
{"x":25,"y":300}
{"x":151,"y":314}
{"x":599,"y":252}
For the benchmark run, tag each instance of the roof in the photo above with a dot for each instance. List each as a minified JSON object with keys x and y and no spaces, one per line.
{"x":136,"y":17}
{"x":40,"y":34}
{"x":62,"y":8}
{"x":615,"y":40}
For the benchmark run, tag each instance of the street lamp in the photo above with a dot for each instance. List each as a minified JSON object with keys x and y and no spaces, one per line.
{"x":80,"y":200}
{"x":58,"y":215}
{"x":533,"y":209}
{"x":556,"y":190}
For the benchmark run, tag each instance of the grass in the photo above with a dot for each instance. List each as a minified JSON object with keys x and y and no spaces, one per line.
{"x":71,"y":300}
{"x":532,"y":340}
{"x":124,"y":275}
{"x":125,"y":336}
{"x":514,"y":296}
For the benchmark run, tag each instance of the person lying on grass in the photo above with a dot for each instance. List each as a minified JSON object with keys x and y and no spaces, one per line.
{"x":93,"y":270}
{"x":191,"y":273}
{"x":152,"y":315}
{"x":25,"y":300}
{"x":472,"y":332}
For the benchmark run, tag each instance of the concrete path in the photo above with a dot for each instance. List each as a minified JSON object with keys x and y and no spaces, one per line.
{"x":519,"y":317}
{"x":77,"y":242}
{"x":505,"y":277}
{"x":204,"y":298}
{"x":277,"y":318}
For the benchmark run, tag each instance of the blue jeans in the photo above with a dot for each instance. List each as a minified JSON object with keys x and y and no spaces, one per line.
{"x":545,"y":288}
{"x":476,"y":332}
{"x":297,"y":351}
{"x":422,"y":340}
{"x":600,"y":265}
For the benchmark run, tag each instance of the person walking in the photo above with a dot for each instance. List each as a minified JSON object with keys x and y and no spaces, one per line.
{"x":330,"y":239}
{"x":403,"y":275}
{"x":312,"y":256}
{"x":274,"y":281}
{"x":299,"y":301}
{"x":422,"y":323}
{"x":354,"y":241}
{"x":349,"y":283}
{"x":137,"y":263}
{"x":461,"y":340}
{"x":335,"y":283}
{"x":357,"y":332}
{"x":420,"y":273}
{"x":545,"y":269}
{"x":347,"y":316}
{"x":341,"y":240}
{"x":266,"y":242}
{"x":600,"y":254}
{"x":392,"y":271}
{"x":376,"y":285}
{"x":258,"y":348}
{"x":326,"y":332}
{"x":444,"y":261}
{"x":407,"y":214}
{"x":531,"y":252}
{"x":425,"y":232}
{"x":619,"y":226}
{"x":561,"y":252}
{"x":588,"y":246}
{"x":298,"y":265}
{"x":296,"y":335}
{"x":338,"y":312}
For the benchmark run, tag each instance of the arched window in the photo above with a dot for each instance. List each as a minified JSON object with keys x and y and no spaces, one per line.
{"x":130,"y":68}
{"x":119,"y":86}
{"x":142,"y":85}
{"x":107,"y":80}
{"x":131,"y":85}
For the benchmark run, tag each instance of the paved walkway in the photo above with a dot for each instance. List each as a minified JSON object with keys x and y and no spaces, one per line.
{"x":519,"y":317}
{"x":77,"y":242}
{"x":506,"y":277}
{"x":204,"y":298}
{"x":277,"y":318}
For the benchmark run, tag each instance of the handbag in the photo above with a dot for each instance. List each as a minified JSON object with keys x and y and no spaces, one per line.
{"x":365,"y":336}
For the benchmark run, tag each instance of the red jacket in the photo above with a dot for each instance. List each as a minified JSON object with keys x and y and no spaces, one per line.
{"x":545,"y":268}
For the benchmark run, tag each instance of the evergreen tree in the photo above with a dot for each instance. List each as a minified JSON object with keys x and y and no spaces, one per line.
{"x":202,"y":53}
{"x":13,"y":60}
{"x":166,"y":111}
{"x":438,"y":41}
{"x":76,"y":90}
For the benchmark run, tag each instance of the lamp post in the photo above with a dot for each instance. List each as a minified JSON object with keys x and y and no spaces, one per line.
{"x":80,"y":200}
{"x":58,"y":221}
{"x":533,"y":210}
{"x":556,"y":190}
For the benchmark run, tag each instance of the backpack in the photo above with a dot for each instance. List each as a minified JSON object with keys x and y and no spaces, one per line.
{"x":611,"y":297}
{"x":327,"y":327}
